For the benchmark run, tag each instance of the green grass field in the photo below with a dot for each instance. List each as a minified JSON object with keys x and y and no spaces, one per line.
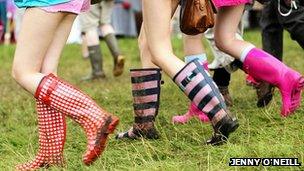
{"x":262,"y":132}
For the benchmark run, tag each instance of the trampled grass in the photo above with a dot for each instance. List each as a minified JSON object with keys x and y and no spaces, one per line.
{"x":262,"y":132}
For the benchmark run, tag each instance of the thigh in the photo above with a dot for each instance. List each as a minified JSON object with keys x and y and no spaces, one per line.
{"x":36,"y":35}
{"x":157,"y":16}
{"x":51,"y":60}
{"x":227,"y":21}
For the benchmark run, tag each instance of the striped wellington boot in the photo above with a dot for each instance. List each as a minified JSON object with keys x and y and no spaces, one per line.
{"x":197,"y":84}
{"x":96,"y":122}
{"x":192,"y":109}
{"x":146,"y":92}
{"x":52,"y":131}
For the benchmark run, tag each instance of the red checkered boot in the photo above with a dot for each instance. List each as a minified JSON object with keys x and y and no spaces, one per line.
{"x":96,"y":122}
{"x":52,"y":131}
{"x":197,"y":84}
{"x":146,"y":92}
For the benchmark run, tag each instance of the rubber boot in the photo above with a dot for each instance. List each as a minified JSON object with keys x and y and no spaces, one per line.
{"x":96,"y":122}
{"x":264,"y":67}
{"x":197,"y":84}
{"x":52,"y":133}
{"x":146,"y":92}
{"x":96,"y":64}
{"x":193,"y":111}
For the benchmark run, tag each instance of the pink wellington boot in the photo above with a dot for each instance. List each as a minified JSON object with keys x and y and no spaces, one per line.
{"x":193,"y":111}
{"x":262,"y":66}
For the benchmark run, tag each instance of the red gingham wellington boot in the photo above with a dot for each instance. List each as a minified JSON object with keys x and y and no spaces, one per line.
{"x":96,"y":122}
{"x":52,"y":132}
{"x":146,"y":91}
{"x":197,"y":84}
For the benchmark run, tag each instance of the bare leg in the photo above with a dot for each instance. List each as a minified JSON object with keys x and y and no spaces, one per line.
{"x":84,"y":46}
{"x":227,"y":21}
{"x":145,"y":53}
{"x":157,"y":16}
{"x":193,"y":44}
{"x":32,"y":46}
{"x":51,"y":60}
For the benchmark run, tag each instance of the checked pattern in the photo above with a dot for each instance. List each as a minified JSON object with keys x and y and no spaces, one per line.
{"x":96,"y":122}
{"x":52,"y":133}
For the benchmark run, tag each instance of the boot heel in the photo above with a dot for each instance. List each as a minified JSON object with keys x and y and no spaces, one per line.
{"x":113,"y":124}
{"x":233,"y":126}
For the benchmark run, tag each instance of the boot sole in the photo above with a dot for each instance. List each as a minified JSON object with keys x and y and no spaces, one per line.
{"x":223,"y":138}
{"x":296,"y":91}
{"x":102,"y":138}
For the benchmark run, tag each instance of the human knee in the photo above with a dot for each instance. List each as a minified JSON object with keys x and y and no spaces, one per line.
{"x":222,"y":43}
{"x":107,"y":29}
{"x":17,"y":73}
{"x":92,"y":37}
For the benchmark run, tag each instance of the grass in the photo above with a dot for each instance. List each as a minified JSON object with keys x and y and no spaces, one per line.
{"x":263,"y":133}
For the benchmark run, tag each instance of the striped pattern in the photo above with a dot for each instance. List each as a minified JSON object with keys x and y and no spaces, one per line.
{"x":197,"y":84}
{"x":72,"y":102}
{"x":52,"y":132}
{"x":146,"y":92}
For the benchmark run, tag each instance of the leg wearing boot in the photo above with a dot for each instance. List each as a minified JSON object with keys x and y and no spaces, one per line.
{"x":96,"y":122}
{"x":197,"y":84}
{"x":110,"y":38}
{"x":158,"y":37}
{"x":119,"y":60}
{"x":264,"y":67}
{"x":52,"y":131}
{"x":96,"y":63}
{"x":146,"y":92}
{"x":192,"y":109}
{"x":257,"y":63}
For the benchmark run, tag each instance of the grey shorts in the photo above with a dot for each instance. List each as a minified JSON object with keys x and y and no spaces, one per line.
{"x":97,"y":15}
